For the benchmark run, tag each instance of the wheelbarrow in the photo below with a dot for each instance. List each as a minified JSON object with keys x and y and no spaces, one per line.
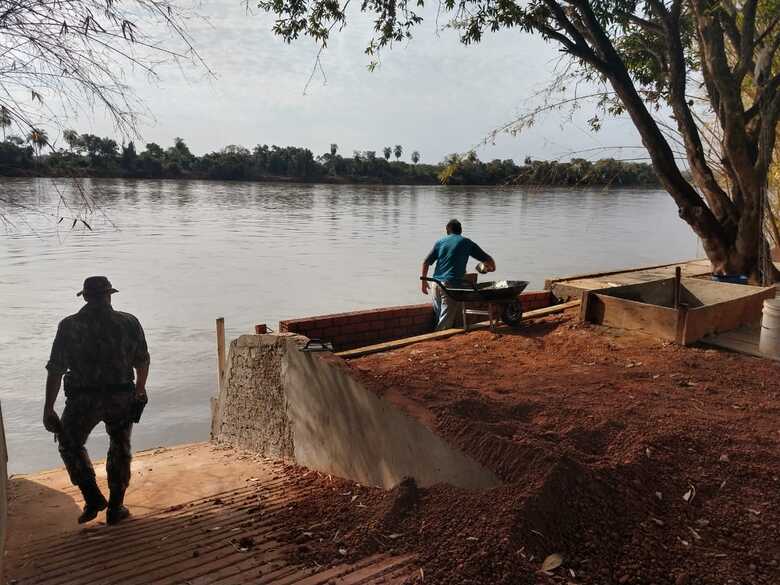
{"x":500,"y":296}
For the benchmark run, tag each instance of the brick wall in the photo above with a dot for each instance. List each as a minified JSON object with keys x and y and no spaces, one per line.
{"x":359,"y":328}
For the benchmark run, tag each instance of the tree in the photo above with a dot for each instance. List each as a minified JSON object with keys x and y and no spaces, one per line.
{"x":129,"y":157}
{"x":179,"y":154}
{"x":398,"y":151}
{"x":388,"y":152}
{"x":76,"y":50}
{"x":415,"y":156}
{"x":73,"y":140}
{"x":334,"y":149}
{"x":644,"y":55}
{"x":155,"y":151}
{"x":5,"y":119}
{"x":38,"y":139}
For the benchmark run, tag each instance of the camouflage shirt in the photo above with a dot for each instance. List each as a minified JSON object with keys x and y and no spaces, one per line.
{"x":98,"y":346}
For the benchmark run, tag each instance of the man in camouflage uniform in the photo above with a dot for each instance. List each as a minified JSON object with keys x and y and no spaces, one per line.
{"x":97,"y":350}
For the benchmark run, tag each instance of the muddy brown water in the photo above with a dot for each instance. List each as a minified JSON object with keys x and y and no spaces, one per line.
{"x":185,"y":252}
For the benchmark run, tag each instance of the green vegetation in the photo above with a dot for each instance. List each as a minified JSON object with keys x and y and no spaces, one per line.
{"x":88,"y":155}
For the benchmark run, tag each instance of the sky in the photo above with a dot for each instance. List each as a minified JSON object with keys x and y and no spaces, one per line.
{"x":431,"y":94}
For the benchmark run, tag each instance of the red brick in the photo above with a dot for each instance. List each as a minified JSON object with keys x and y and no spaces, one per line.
{"x":350,"y":329}
{"x":363,"y":326}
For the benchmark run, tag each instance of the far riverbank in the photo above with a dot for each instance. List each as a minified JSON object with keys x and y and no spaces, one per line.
{"x":95,"y":157}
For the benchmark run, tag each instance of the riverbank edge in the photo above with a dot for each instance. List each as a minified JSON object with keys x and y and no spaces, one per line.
{"x":326,"y":180}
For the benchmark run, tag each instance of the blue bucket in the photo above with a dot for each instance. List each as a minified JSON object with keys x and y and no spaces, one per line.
{"x":730,"y":278}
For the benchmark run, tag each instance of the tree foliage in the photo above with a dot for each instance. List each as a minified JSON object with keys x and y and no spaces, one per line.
{"x":76,"y":51}
{"x":96,"y":156}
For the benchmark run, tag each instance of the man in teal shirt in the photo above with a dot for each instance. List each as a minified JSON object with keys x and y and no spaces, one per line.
{"x":451,"y":253}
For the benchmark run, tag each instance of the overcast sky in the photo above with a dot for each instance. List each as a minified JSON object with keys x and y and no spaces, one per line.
{"x":431,"y":94}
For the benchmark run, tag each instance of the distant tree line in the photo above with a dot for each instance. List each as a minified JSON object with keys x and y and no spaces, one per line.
{"x":469,"y":170}
{"x":88,"y":155}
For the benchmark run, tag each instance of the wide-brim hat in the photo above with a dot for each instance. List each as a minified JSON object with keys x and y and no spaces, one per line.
{"x":95,"y":286}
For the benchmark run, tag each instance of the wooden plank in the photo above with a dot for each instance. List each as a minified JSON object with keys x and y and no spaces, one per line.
{"x":632,"y":315}
{"x":220,"y":350}
{"x":550,"y":281}
{"x":399,"y":343}
{"x":550,"y":310}
{"x":725,"y":342}
{"x":727,"y":315}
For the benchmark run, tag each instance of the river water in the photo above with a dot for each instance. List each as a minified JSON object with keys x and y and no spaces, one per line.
{"x":185,"y":252}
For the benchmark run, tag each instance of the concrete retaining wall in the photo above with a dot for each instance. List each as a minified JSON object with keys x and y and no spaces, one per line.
{"x":360,"y":328}
{"x":279,"y":401}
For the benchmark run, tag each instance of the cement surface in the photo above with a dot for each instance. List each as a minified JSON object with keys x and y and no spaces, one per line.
{"x":191,"y":506}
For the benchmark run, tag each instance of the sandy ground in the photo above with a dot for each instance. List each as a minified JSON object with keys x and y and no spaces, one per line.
{"x":201,"y":515}
{"x":634,"y":460}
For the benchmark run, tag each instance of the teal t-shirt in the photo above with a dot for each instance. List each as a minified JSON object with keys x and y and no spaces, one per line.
{"x":451,"y":253}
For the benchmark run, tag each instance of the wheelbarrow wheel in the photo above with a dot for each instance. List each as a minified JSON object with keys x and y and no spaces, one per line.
{"x":512,"y":314}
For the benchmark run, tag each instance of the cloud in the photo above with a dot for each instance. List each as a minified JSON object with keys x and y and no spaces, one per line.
{"x":432,"y":94}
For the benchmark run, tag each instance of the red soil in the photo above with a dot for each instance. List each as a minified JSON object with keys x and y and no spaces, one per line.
{"x":638,"y":461}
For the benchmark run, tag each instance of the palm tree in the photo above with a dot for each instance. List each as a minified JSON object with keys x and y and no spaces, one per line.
{"x":398,"y":151}
{"x":72,"y":138}
{"x":38,"y":139}
{"x":416,"y":156}
{"x":388,"y":152}
{"x":5,"y":119}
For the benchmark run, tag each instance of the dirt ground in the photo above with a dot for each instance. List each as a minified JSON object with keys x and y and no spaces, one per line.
{"x":636,"y":461}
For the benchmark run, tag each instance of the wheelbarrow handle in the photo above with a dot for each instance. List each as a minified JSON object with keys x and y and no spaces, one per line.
{"x":447,"y":287}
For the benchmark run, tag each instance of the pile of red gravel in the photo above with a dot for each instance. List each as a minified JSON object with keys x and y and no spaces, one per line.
{"x":636,"y":461}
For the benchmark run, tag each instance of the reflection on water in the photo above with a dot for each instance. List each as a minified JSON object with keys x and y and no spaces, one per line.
{"x":183,"y":253}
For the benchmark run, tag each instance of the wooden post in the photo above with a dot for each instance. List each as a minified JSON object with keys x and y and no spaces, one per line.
{"x":220,"y":350}
{"x":682,"y":318}
{"x":584,"y":303}
{"x":677,"y":286}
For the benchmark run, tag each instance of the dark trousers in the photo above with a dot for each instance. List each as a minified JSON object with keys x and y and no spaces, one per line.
{"x":83,"y":411}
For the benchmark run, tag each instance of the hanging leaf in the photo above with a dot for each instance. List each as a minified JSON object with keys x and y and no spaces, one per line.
{"x":551,"y":563}
{"x":59,"y":222}
{"x":86,"y":225}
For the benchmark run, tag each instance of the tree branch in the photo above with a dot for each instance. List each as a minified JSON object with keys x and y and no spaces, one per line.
{"x":691,"y":207}
{"x":748,"y":35}
{"x":717,"y":198}
{"x":643,"y":23}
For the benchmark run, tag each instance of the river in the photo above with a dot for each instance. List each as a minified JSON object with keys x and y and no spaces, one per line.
{"x":182,"y":253}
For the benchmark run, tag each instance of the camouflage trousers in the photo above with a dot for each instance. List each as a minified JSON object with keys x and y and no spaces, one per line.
{"x":83,"y":411}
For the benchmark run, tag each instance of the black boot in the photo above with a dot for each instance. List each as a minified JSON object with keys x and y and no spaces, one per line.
{"x":94,"y":501}
{"x":116,"y":510}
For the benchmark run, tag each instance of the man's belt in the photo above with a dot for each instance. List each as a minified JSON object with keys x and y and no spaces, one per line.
{"x":75,"y":389}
